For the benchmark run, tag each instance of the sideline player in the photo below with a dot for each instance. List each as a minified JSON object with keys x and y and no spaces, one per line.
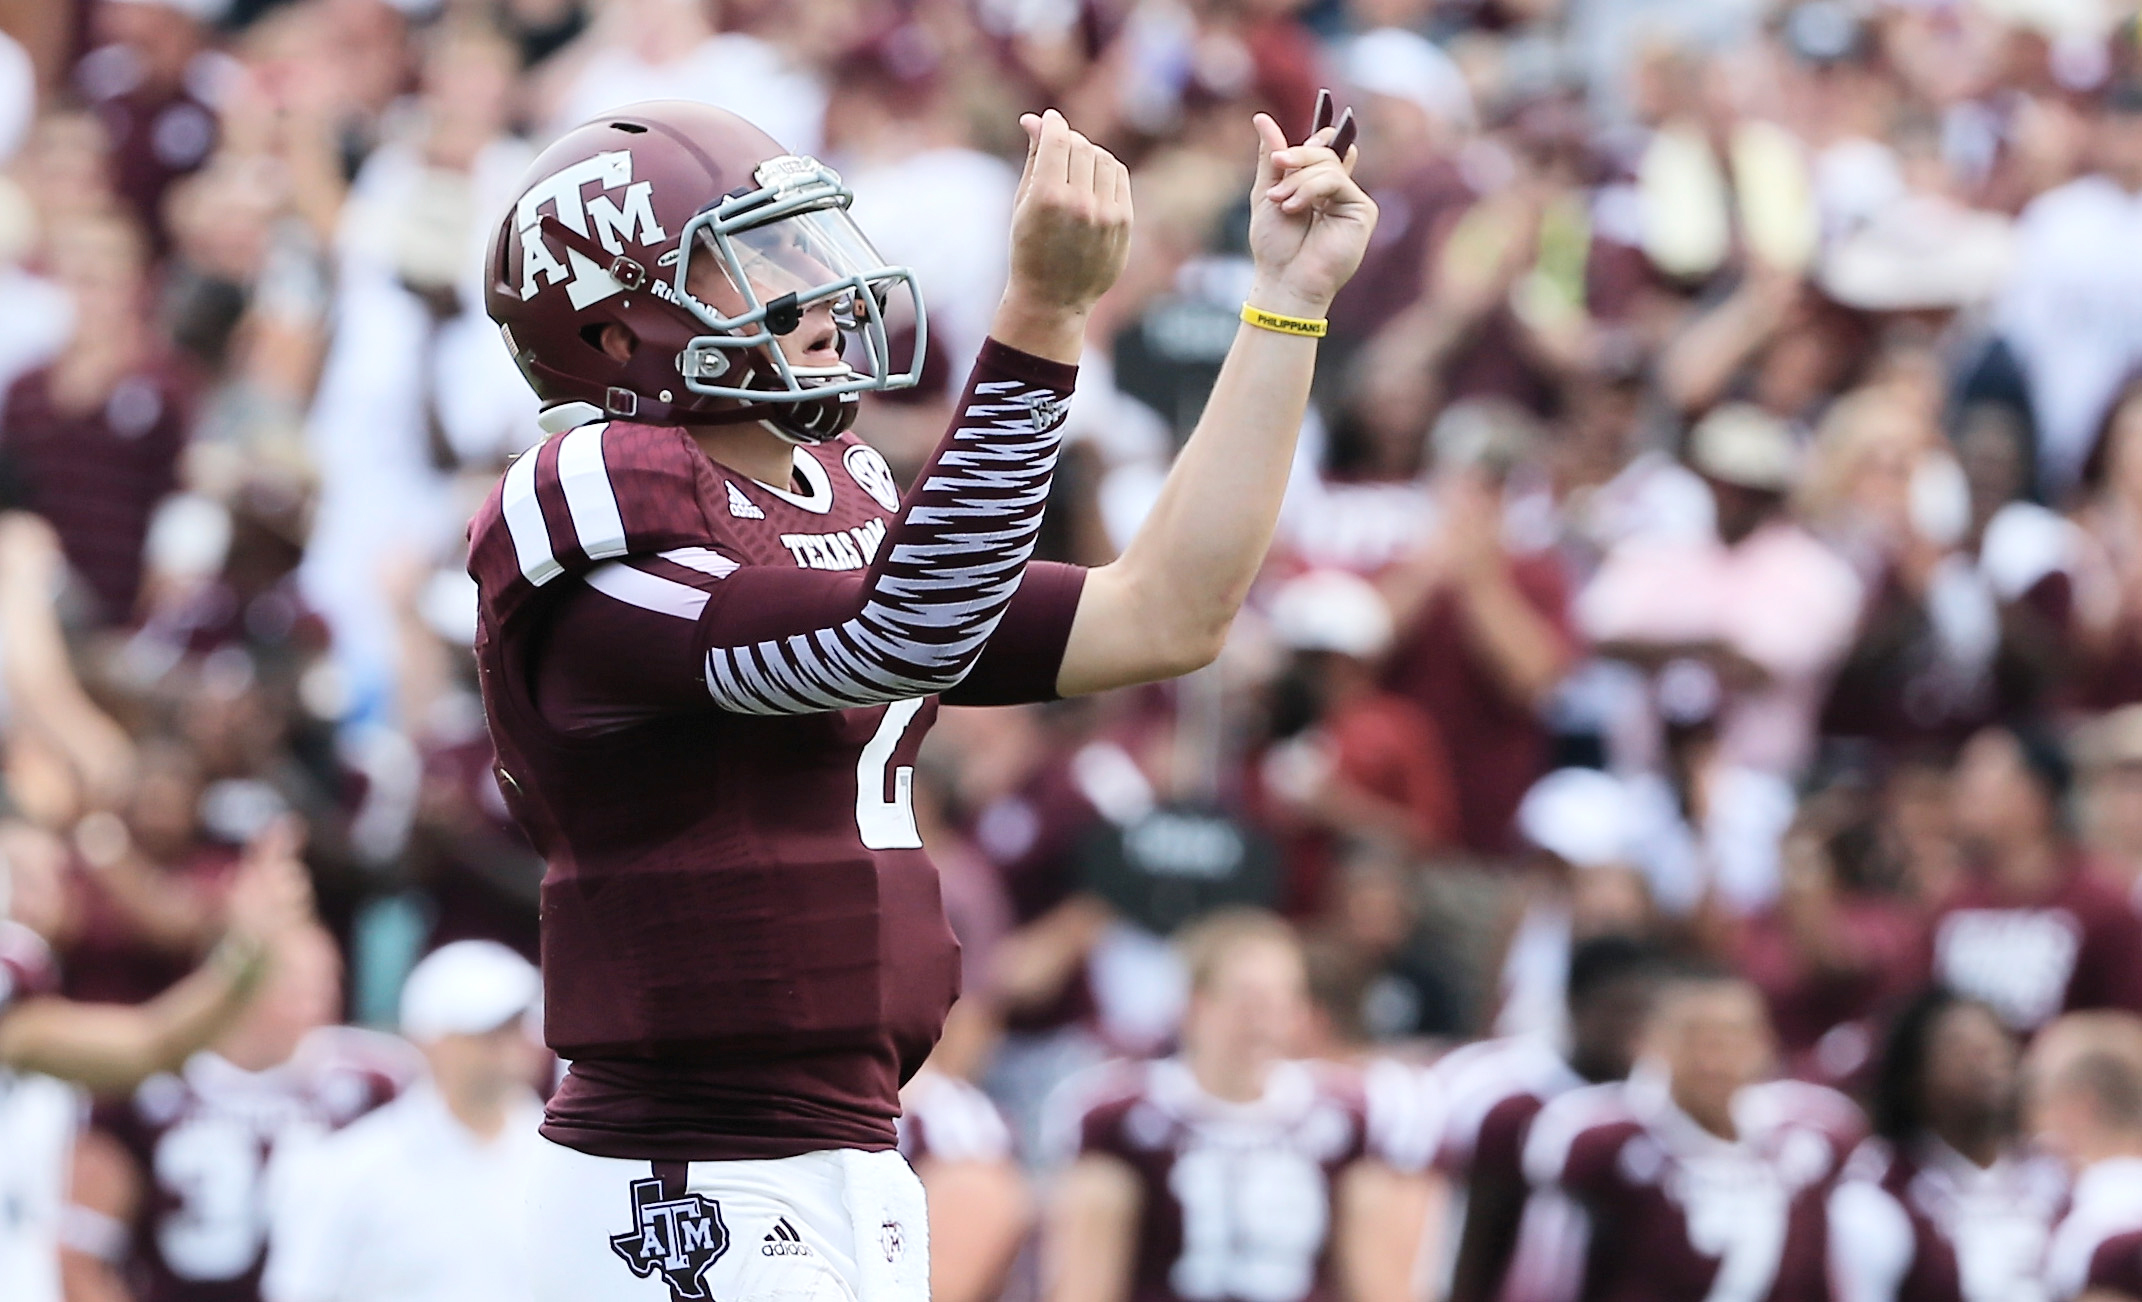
{"x":1230,"y":1170}
{"x":1697,"y":1178}
{"x":1495,"y":1088}
{"x":172,"y":1185}
{"x":712,"y":636}
{"x":48,"y":1044}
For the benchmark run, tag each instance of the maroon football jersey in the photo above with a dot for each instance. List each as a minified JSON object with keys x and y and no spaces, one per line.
{"x":707,"y":695}
{"x":1238,"y":1197}
{"x":2077,"y":946}
{"x":203,"y":1138}
{"x":1668,"y":1212}
{"x":2105,"y":1205}
{"x":1491,"y":1093}
{"x":945,"y":1119}
{"x":2116,"y":1268}
{"x":1926,"y":1225}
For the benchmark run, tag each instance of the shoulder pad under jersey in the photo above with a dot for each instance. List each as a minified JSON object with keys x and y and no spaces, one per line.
{"x":584,"y":497}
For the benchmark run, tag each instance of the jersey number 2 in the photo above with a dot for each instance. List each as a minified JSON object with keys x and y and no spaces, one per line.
{"x":887,"y":824}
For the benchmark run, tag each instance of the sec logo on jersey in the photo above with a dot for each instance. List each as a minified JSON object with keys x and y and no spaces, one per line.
{"x":876,"y":477}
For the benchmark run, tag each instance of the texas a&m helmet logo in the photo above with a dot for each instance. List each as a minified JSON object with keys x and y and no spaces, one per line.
{"x":678,"y":1237}
{"x":601,"y":217}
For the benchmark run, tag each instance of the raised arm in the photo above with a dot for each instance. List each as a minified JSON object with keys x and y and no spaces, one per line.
{"x":689,"y":627}
{"x":1164,"y":606}
{"x":109,"y":1048}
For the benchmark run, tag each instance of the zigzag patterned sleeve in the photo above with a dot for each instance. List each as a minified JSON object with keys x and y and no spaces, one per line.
{"x":942,"y":579}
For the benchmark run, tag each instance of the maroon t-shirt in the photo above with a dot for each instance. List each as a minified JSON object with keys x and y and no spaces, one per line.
{"x":2116,"y":1266}
{"x":2077,"y":945}
{"x":98,"y":475}
{"x":707,"y":695}
{"x":1887,"y":941}
{"x":1671,"y":1211}
{"x":1238,"y":1198}
{"x":1501,"y":744}
{"x":202,"y":1139}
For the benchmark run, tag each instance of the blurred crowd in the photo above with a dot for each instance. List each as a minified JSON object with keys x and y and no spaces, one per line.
{"x":1705,"y":641}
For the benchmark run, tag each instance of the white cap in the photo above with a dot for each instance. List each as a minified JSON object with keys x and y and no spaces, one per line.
{"x":1740,"y":443}
{"x":1920,"y":253}
{"x":470,"y":987}
{"x":1331,"y":610}
{"x":1581,"y":816}
{"x":1404,"y":65}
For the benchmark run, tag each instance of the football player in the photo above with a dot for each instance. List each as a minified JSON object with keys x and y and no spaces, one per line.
{"x":47,"y":1042}
{"x":1229,"y":1171}
{"x":712,"y":634}
{"x":2084,"y":1097}
{"x":1945,"y":1203}
{"x":1494,"y":1089}
{"x":172,"y":1185}
{"x":1696,"y":1179}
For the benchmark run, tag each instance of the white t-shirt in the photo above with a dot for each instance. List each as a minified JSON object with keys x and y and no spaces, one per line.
{"x":2073,"y":314}
{"x":406,"y":1205}
{"x":740,"y":73}
{"x":2107,"y":1202}
{"x":37,"y":1124}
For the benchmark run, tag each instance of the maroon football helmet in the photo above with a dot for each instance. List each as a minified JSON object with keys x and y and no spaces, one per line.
{"x":617,"y":217}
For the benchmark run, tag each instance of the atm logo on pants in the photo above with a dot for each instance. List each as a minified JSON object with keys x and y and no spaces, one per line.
{"x":678,"y":1237}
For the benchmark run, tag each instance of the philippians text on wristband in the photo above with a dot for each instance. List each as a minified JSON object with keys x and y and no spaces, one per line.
{"x":1306,"y":327}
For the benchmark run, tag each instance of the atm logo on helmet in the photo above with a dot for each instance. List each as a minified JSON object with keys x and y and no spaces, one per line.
{"x":612,"y":223}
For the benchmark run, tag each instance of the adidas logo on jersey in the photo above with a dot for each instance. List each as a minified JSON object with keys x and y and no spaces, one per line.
{"x":740,"y":506}
{"x":784,"y":1242}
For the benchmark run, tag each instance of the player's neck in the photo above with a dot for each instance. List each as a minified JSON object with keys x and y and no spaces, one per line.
{"x":1231,"y":1082}
{"x":1978,"y":1143}
{"x":750,"y":450}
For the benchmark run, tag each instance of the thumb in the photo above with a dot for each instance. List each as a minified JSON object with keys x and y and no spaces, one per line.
{"x":1032,"y":124}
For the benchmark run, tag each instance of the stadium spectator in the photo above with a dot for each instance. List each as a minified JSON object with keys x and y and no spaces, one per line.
{"x":422,"y":1198}
{"x":2033,"y":932}
{"x":1349,"y":760}
{"x":1767,"y":609}
{"x":1944,"y":1200}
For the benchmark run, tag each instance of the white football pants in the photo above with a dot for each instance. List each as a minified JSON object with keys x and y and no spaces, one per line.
{"x":832,"y":1226}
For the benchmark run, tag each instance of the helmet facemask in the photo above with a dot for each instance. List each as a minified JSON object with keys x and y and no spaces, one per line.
{"x":779,"y":258}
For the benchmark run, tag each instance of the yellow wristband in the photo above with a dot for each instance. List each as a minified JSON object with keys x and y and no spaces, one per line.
{"x":1306,"y":327}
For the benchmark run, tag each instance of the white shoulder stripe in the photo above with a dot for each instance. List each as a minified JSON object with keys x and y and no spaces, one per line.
{"x":647,"y":591}
{"x":524,"y":520}
{"x":588,"y":494}
{"x":703,"y":559}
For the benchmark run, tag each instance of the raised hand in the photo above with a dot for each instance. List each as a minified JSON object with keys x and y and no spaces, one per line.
{"x":1071,"y":225}
{"x":1309,"y":222}
{"x":271,"y":892}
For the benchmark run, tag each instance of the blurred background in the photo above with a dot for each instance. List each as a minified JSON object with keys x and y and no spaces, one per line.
{"x":1718,"y":524}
